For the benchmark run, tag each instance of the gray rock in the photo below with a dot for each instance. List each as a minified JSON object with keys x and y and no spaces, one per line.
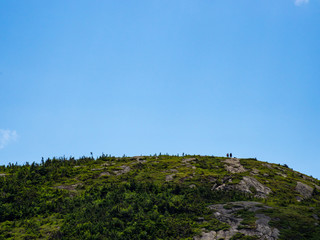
{"x":249,"y":182}
{"x":104,"y":174}
{"x":105,"y":164}
{"x":214,"y":186}
{"x":281,"y":174}
{"x":125,"y":169}
{"x":233,"y":165}
{"x":264,"y":229}
{"x":316,"y":186}
{"x":227,"y":213}
{"x":268,"y":165}
{"x":169,"y":177}
{"x":304,"y":189}
{"x":246,"y":185}
{"x":254,"y":171}
{"x":308,"y":178}
{"x":206,"y":236}
{"x":186,"y":160}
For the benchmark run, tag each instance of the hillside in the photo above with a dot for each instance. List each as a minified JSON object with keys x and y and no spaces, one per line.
{"x":157,"y":197}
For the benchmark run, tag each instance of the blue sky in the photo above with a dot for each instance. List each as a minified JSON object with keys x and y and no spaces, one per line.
{"x":143,"y":77}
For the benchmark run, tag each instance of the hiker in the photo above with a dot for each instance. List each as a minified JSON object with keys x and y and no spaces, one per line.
{"x":231,"y":155}
{"x":227,"y":154}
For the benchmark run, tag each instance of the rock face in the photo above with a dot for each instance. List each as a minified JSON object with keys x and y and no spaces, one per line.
{"x":249,"y":183}
{"x":124,"y":170}
{"x":188,"y":162}
{"x":254,"y":171}
{"x":227,"y":213}
{"x":316,"y":186}
{"x":169,"y":177}
{"x":304,"y":189}
{"x":268,"y":165}
{"x":233,"y":165}
{"x":281,"y":174}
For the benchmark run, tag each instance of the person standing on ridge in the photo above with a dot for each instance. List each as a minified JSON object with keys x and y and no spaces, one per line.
{"x":227,"y":154}
{"x":231,"y":155}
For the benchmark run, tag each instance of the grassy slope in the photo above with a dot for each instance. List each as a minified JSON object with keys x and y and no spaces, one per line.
{"x":148,"y":198}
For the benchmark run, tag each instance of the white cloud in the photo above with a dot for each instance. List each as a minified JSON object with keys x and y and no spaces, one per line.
{"x":7,"y":136}
{"x":300,"y":2}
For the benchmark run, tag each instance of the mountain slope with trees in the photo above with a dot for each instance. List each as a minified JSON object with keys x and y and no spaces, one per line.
{"x":157,"y":197}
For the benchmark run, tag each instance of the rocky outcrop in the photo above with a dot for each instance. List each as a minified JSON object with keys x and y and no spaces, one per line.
{"x":316,"y":186}
{"x":254,"y":171}
{"x":253,"y":186}
{"x":281,"y":174}
{"x":233,"y":165}
{"x":125,"y":169}
{"x":105,"y":164}
{"x":248,"y":185}
{"x":169,"y":177}
{"x":104,"y":174}
{"x":268,"y":165}
{"x":188,"y":162}
{"x":308,"y":178}
{"x":227,"y":213}
{"x":304,"y":190}
{"x":139,"y":159}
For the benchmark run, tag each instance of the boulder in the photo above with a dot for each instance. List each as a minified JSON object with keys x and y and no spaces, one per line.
{"x":304,"y":189}
{"x":169,"y":177}
{"x":233,"y":165}
{"x":247,"y":183}
{"x":268,"y":165}
{"x":125,"y":169}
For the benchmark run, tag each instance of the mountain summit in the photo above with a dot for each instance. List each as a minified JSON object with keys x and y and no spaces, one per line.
{"x":157,"y":197}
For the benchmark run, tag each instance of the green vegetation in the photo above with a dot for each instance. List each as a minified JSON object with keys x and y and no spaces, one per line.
{"x":155,"y":197}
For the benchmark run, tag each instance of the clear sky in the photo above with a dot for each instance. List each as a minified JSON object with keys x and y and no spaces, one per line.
{"x":142,"y":77}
